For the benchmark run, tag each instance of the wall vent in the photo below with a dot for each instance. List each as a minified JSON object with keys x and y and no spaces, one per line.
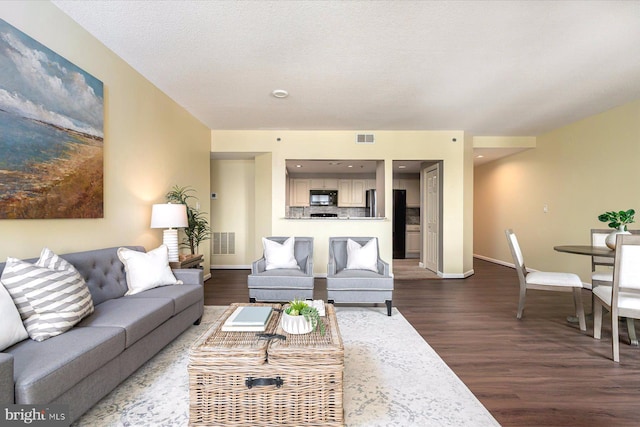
{"x":223,"y":243}
{"x":365,"y":138}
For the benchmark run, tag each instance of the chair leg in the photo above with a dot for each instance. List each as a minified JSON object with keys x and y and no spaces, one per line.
{"x":577,"y":298}
{"x":523,"y":295}
{"x":388,"y":303}
{"x":631,"y":327}
{"x":615,"y":339}
{"x":252,"y":300}
{"x":331,"y":302}
{"x":597,"y":319}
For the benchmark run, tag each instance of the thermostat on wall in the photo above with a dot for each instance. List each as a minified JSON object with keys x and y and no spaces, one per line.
{"x":214,"y":196}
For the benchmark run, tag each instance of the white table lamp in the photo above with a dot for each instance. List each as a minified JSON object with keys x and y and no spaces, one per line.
{"x":169,"y":216}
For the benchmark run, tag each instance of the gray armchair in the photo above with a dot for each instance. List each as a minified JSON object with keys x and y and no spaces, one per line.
{"x":356,"y":286}
{"x":284,"y":284}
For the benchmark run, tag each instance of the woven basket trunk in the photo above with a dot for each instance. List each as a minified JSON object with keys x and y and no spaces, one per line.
{"x":304,"y":376}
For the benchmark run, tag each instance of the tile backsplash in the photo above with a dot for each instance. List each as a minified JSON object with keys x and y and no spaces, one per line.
{"x":413,"y":216}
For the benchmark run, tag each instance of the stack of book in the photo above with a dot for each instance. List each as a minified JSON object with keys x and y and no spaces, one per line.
{"x":248,"y":319}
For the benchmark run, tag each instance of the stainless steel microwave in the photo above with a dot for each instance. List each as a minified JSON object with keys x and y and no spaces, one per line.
{"x":323,"y":198}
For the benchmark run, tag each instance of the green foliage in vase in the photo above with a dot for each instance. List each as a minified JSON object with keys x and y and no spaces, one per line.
{"x":300,"y":308}
{"x":618,"y":219}
{"x":198,"y":229}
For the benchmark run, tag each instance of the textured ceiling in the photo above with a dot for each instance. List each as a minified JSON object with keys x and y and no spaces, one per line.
{"x":487,"y":67}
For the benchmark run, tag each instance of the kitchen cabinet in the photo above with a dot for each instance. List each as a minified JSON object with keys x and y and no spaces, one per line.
{"x":412,"y":242}
{"x":412,"y":186}
{"x":299,"y":192}
{"x":413,"y":192}
{"x":351,"y":193}
{"x":324,"y":184}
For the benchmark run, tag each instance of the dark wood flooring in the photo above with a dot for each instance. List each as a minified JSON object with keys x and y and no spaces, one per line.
{"x":538,"y":371}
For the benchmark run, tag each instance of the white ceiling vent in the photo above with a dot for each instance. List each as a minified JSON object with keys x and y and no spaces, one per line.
{"x":365,"y":138}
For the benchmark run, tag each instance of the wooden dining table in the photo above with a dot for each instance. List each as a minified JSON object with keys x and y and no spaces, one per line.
{"x":586,"y":250}
{"x":596,"y":251}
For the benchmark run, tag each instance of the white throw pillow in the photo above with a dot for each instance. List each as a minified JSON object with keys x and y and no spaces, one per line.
{"x":51,"y":296}
{"x":362,"y":257}
{"x":147,"y":270}
{"x":279,"y":255}
{"x":12,"y":330}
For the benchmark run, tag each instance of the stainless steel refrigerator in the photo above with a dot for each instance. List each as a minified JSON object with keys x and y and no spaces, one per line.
{"x":399,"y":223}
{"x":371,"y":203}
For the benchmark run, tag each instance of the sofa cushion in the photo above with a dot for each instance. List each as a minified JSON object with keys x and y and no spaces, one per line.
{"x":147,"y":270}
{"x":12,"y":330}
{"x":137,"y":316}
{"x":103,"y":272}
{"x":44,"y":370}
{"x":51,"y":295}
{"x":182,"y":295}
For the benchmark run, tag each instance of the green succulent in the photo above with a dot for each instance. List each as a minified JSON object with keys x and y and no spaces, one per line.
{"x":618,"y":219}
{"x":301,"y":308}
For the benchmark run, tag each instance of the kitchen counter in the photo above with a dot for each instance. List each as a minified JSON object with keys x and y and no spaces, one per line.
{"x":349,"y":218}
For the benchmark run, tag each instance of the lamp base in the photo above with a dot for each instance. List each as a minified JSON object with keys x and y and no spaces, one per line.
{"x":170,"y":238}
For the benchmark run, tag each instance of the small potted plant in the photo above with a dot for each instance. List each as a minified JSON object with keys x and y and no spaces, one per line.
{"x":618,"y":221}
{"x":300,"y":318}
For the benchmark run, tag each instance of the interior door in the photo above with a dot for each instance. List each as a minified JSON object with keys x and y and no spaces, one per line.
{"x":431,"y":229}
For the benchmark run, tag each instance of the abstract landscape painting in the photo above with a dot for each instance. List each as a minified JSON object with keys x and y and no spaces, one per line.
{"x":51,"y":133}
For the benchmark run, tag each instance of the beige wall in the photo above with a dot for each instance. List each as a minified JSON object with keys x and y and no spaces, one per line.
{"x":268,"y":215}
{"x":578,"y":171}
{"x":151,"y":144}
{"x":233,"y":181}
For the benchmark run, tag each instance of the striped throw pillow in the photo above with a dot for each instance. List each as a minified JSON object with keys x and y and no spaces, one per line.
{"x":50,"y":295}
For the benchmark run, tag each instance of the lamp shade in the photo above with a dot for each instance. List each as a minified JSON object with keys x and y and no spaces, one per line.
{"x":169,"y":215}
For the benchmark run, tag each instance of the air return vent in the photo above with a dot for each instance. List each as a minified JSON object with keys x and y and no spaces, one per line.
{"x":365,"y":138}
{"x":223,"y":243}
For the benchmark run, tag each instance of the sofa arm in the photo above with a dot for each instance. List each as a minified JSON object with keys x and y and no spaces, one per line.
{"x":6,"y":379}
{"x":308,"y":266}
{"x":331,"y":267}
{"x":259,"y":266}
{"x":383,"y":267}
{"x":189,"y":276}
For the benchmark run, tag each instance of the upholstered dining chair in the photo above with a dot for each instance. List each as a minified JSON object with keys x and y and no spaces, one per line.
{"x":544,"y":281}
{"x":281,"y":283}
{"x":600,"y":277}
{"x":365,"y":281}
{"x":622,"y":299}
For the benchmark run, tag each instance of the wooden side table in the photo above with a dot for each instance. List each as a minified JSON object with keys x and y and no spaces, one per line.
{"x":191,"y":261}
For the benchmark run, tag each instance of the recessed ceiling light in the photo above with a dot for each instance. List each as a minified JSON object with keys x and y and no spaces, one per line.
{"x":350,"y":166}
{"x":402,"y":167}
{"x":298,"y":166}
{"x":479,"y":156}
{"x":280,"y":93}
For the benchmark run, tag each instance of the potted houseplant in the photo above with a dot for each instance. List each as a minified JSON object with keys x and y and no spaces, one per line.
{"x":300,"y":318}
{"x":618,"y":221}
{"x":198,"y":229}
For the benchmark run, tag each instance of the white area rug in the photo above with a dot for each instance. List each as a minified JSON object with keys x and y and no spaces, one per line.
{"x":392,"y":378}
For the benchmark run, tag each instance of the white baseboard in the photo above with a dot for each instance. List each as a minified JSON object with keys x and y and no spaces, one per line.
{"x":230,"y":267}
{"x":495,"y":261}
{"x":207,"y":276}
{"x":456,"y":275}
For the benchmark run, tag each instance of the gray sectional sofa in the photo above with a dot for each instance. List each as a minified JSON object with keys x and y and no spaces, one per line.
{"x":82,"y":365}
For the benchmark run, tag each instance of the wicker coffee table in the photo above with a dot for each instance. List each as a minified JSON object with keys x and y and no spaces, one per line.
{"x":267,"y":379}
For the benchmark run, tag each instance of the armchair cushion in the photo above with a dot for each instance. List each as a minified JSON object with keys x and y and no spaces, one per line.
{"x":279,"y":255}
{"x":363,"y":257}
